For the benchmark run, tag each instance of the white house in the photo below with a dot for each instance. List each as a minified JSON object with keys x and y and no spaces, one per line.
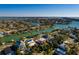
{"x":42,"y":39}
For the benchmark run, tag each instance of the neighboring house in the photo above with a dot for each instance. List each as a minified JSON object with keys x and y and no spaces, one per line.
{"x":1,"y":34}
{"x":61,"y":50}
{"x":10,"y":32}
{"x":73,"y":37}
{"x":7,"y":51}
{"x":40,"y":41}
{"x":22,"y":45}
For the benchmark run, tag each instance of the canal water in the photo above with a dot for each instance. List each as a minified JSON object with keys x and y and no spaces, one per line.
{"x":73,"y":24}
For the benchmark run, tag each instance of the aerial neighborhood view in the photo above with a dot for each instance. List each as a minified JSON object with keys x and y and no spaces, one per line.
{"x":39,"y":29}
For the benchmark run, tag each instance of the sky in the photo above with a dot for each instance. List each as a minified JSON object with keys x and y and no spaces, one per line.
{"x":36,"y":10}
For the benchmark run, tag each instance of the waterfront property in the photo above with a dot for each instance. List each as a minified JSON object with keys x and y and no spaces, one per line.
{"x":48,"y":38}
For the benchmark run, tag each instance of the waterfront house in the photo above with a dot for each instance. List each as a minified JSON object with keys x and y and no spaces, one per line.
{"x":30,"y":42}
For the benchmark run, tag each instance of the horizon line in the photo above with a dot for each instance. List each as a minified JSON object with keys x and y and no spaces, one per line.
{"x":39,"y":16}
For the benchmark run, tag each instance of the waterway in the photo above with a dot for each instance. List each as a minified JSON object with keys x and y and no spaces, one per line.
{"x":56,"y":26}
{"x":74,"y":24}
